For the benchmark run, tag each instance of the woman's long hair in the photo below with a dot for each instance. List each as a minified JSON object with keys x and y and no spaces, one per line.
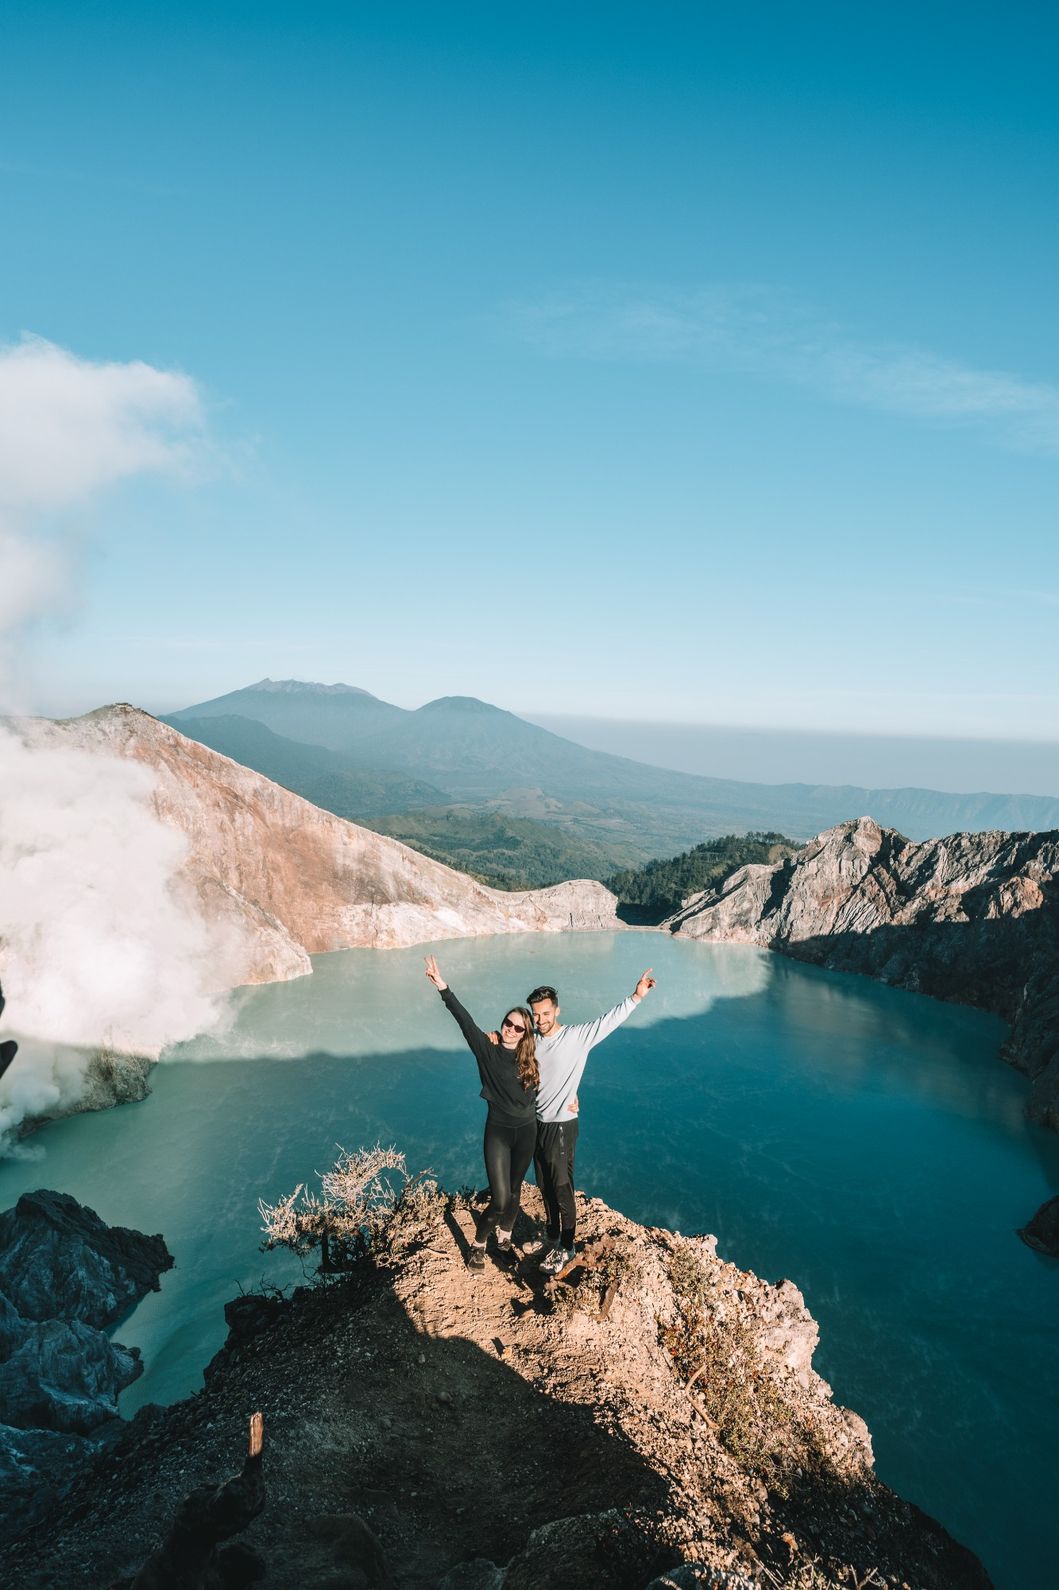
{"x":529,"y":1072}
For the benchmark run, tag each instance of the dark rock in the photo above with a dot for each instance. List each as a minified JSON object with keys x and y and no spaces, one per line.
{"x":8,"y":1051}
{"x":356,"y":1550}
{"x":1033,"y":1045}
{"x":481,"y":1574}
{"x":239,"y":1565}
{"x":1042,"y":1232}
{"x":64,"y":1376}
{"x":250,"y":1315}
{"x":189,"y":1559}
{"x":35,"y":1467}
{"x":64,"y":1276}
{"x":59,"y":1261}
{"x":573,"y":1554}
{"x":9,"y":1048}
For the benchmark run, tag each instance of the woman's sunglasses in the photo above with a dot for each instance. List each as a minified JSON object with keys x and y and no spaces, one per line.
{"x":514,"y":1025}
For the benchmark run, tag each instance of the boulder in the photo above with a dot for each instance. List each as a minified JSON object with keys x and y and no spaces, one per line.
{"x":1042,"y":1232}
{"x":58,"y":1260}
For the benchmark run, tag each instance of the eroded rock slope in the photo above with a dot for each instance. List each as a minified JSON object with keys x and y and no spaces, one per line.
{"x":294,"y":880}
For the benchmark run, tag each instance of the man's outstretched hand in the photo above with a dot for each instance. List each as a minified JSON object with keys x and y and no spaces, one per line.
{"x":644,"y":986}
{"x":434,"y":974}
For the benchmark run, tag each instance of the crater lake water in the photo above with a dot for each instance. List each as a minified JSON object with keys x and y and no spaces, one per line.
{"x":866,"y":1143}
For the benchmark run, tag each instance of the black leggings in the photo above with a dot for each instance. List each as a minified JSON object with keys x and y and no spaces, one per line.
{"x":508,"y":1151}
{"x":553,"y":1162}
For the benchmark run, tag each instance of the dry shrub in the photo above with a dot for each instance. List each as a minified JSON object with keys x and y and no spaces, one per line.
{"x":349,"y":1220}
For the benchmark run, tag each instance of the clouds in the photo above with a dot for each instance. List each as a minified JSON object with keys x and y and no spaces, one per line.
{"x":69,"y":428}
{"x":764,"y":332}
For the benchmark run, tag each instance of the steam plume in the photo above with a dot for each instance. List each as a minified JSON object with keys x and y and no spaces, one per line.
{"x":101,"y":942}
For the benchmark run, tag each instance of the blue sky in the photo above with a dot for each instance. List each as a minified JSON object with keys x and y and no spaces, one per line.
{"x":673,"y":362}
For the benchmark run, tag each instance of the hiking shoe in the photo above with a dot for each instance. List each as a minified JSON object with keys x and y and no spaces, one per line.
{"x":476,"y":1257}
{"x":557,"y":1260}
{"x":503,"y":1242}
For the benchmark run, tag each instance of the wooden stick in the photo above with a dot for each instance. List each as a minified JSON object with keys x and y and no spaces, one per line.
{"x":257,"y":1435}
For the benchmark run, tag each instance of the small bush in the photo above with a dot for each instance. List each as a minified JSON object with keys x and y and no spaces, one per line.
{"x":349,"y":1220}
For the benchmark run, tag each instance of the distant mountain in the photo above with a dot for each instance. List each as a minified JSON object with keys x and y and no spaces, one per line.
{"x":319,"y":775}
{"x":480,"y":754}
{"x":329,"y":715}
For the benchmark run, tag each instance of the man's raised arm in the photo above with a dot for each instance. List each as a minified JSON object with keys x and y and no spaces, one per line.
{"x":592,"y":1032}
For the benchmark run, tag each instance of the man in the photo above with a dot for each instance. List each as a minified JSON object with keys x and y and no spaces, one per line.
{"x":562,"y":1053}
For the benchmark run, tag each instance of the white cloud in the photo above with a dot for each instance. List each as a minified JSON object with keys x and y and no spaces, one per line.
{"x":761,"y":331}
{"x":33,"y":576}
{"x":70,"y":426}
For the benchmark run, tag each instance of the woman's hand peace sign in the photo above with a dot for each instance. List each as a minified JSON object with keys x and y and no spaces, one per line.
{"x":434,"y":974}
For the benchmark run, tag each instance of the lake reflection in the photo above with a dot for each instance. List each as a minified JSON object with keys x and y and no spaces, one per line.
{"x":863,"y":1141}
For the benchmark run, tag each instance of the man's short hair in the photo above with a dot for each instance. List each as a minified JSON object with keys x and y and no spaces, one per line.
{"x":545,"y":991}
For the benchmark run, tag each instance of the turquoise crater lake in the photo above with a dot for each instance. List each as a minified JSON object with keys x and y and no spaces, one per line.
{"x":865,"y":1142}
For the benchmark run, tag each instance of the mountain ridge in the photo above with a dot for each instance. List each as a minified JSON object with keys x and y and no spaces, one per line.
{"x":479,"y":753}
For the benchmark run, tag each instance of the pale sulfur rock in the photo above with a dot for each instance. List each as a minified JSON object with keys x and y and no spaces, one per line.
{"x":293,"y":880}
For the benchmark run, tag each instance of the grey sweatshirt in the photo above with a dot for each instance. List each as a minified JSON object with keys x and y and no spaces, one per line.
{"x":562,"y":1060}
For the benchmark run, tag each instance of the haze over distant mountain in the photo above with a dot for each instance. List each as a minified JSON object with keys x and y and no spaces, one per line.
{"x":782,"y":756}
{"x":479,"y":754}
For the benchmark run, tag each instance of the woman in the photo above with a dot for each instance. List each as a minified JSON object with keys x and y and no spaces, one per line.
{"x":510,"y":1078}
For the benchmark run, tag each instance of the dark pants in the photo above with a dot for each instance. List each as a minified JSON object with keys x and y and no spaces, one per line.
{"x":553,"y":1161}
{"x":508,"y":1151}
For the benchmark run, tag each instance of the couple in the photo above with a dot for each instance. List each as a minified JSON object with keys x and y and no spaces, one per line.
{"x":530,"y":1074}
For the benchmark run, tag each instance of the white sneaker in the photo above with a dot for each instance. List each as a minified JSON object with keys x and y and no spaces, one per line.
{"x":558,"y":1259}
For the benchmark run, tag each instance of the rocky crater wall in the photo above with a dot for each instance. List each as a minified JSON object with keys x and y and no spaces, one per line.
{"x":973,"y":918}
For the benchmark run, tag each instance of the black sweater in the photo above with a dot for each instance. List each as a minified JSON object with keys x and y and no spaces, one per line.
{"x":509,"y":1102}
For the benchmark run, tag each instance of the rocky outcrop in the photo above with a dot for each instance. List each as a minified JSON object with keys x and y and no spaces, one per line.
{"x":194,"y":1554}
{"x":973,"y":918}
{"x":291,"y":879}
{"x":655,"y":1413}
{"x":58,"y":1260}
{"x":1042,"y":1232}
{"x":8,"y":1048}
{"x":65,"y":1278}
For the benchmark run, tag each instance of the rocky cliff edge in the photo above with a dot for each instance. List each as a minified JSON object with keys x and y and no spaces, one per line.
{"x":435,"y":1429}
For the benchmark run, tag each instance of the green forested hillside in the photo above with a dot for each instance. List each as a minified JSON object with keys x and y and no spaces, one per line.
{"x":507,"y":852}
{"x":653,"y":891}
